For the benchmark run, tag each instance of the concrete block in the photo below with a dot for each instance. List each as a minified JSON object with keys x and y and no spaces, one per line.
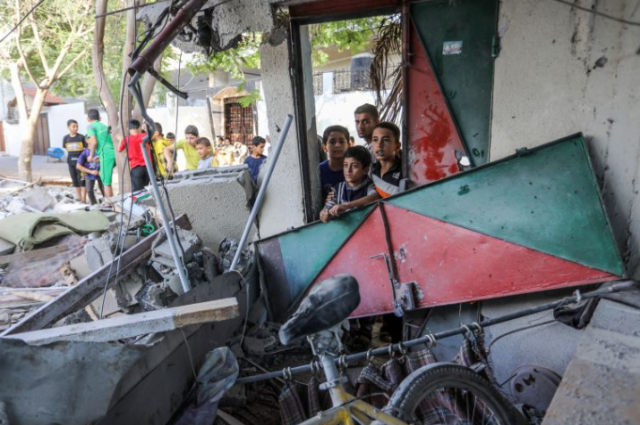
{"x":216,"y":205}
{"x":38,"y":199}
{"x":600,"y":385}
{"x":162,"y":250}
{"x":16,"y":206}
{"x":6,"y":247}
{"x":97,"y":253}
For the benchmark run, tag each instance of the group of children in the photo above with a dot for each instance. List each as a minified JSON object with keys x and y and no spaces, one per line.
{"x":353,"y":176}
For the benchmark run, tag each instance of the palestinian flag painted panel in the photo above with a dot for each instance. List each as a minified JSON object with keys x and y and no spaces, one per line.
{"x":531,"y":222}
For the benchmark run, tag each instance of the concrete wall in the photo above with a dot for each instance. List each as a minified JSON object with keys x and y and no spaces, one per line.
{"x":283,"y":206}
{"x":58,"y":116}
{"x":562,"y":71}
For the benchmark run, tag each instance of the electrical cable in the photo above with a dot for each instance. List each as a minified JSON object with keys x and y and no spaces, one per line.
{"x":511,"y":332}
{"x":15,"y":27}
{"x":603,"y":15}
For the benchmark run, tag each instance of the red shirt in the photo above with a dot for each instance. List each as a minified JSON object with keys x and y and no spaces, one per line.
{"x":134,"y":149}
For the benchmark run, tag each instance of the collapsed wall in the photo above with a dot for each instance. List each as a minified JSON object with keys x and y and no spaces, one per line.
{"x":216,"y":201}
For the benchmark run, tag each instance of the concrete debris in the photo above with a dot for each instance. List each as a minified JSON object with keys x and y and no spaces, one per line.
{"x":6,"y":247}
{"x":154,"y":296}
{"x":189,"y":241}
{"x":38,"y":200}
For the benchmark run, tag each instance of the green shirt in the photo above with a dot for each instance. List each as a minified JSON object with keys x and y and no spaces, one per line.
{"x":105,"y":148}
{"x":190,"y":153}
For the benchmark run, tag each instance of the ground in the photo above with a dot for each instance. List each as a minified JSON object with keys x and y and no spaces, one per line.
{"x":48,"y":171}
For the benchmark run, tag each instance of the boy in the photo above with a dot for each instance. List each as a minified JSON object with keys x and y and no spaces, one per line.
{"x":137,"y":166}
{"x":75,"y":143}
{"x":203,"y":146}
{"x":334,"y":143}
{"x":366,"y":117}
{"x":387,"y":172}
{"x":256,"y":159}
{"x":188,"y":146}
{"x":100,"y":144}
{"x":225,"y":153}
{"x":159,"y":143}
{"x":356,"y":190}
{"x":91,"y":170}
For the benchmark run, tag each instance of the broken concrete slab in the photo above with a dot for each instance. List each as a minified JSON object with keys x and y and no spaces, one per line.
{"x":162,"y":251}
{"x":98,"y":253}
{"x":217,"y":203}
{"x":38,"y":198}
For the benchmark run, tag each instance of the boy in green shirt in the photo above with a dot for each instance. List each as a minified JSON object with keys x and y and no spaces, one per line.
{"x":101,"y":145}
{"x":188,"y":146}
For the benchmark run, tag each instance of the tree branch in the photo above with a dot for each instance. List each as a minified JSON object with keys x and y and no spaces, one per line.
{"x":69,"y":65}
{"x":38,"y":42}
{"x":23,"y":57}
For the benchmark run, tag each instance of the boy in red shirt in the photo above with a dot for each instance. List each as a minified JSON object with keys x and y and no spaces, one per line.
{"x":139,"y":176}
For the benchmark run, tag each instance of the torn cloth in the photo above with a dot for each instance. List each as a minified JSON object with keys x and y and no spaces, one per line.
{"x":29,"y":229}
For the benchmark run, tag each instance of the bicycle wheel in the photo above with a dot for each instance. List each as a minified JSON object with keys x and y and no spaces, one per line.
{"x":445,"y":393}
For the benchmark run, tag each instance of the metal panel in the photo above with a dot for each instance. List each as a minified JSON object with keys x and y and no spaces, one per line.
{"x":547,"y":200}
{"x":459,"y":40}
{"x":432,"y":135}
{"x":450,"y":264}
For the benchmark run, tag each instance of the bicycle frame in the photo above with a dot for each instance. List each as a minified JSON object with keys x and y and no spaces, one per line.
{"x":346,"y":408}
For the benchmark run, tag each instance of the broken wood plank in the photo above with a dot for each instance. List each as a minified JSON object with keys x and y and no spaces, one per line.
{"x":129,"y":326}
{"x":89,"y":288}
{"x":37,"y":254}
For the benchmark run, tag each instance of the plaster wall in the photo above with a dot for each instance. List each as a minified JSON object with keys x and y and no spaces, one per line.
{"x":562,"y":71}
{"x":283,"y":205}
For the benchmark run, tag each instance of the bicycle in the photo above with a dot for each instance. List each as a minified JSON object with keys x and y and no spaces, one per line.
{"x":441,"y":393}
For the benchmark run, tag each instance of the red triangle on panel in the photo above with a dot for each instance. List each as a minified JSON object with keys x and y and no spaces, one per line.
{"x":450,"y":264}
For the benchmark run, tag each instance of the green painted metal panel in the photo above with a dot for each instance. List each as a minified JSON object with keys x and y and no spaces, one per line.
{"x":307,"y":251}
{"x":547,"y":200}
{"x":459,"y":39}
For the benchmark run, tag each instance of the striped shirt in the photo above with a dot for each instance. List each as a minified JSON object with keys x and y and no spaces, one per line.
{"x":389,"y":184}
{"x":343,"y":193}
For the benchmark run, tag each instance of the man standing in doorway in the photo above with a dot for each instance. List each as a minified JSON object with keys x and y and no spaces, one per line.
{"x":101,"y":145}
{"x":367,"y":117}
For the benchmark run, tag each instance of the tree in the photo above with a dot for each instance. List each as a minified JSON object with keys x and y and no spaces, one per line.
{"x":354,"y":35}
{"x":42,"y":50}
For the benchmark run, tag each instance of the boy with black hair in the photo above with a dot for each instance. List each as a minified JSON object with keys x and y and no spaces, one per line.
{"x":171,"y":137}
{"x":188,"y":146}
{"x":203,"y":146}
{"x":100,"y":144}
{"x":357,"y":189}
{"x":366,"y":118}
{"x":256,"y":159}
{"x":75,"y":143}
{"x":335,"y":142}
{"x":138,"y":168}
{"x":387,"y":172}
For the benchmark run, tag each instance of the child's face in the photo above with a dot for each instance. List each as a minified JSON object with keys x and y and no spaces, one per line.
{"x":384,"y":144}
{"x":191,"y":139}
{"x":204,"y":151}
{"x":364,"y":125}
{"x":354,"y":172}
{"x":336,"y":145}
{"x":172,"y":141}
{"x":73,"y":128}
{"x":257,"y":150}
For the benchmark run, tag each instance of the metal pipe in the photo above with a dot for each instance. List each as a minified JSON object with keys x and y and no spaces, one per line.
{"x":618,"y":287}
{"x":273,"y":159}
{"x":151,"y":127}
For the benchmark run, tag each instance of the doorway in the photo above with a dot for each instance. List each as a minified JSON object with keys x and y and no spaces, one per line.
{"x":238,"y":121}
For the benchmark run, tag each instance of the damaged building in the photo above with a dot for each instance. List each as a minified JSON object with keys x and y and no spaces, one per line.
{"x":509,"y":258}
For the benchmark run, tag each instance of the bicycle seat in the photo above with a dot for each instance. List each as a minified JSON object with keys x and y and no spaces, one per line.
{"x":328,"y":304}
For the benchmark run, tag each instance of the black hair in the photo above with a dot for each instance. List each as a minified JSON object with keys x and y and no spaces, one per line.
{"x":71,"y":122}
{"x":170,"y":135}
{"x":359,"y":153}
{"x":93,"y":114}
{"x":203,"y":141}
{"x":368,"y":108}
{"x":331,"y":128}
{"x":391,"y":127}
{"x":159,"y":128}
{"x":192,"y":129}
{"x":134,"y":125}
{"x":257,"y":141}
